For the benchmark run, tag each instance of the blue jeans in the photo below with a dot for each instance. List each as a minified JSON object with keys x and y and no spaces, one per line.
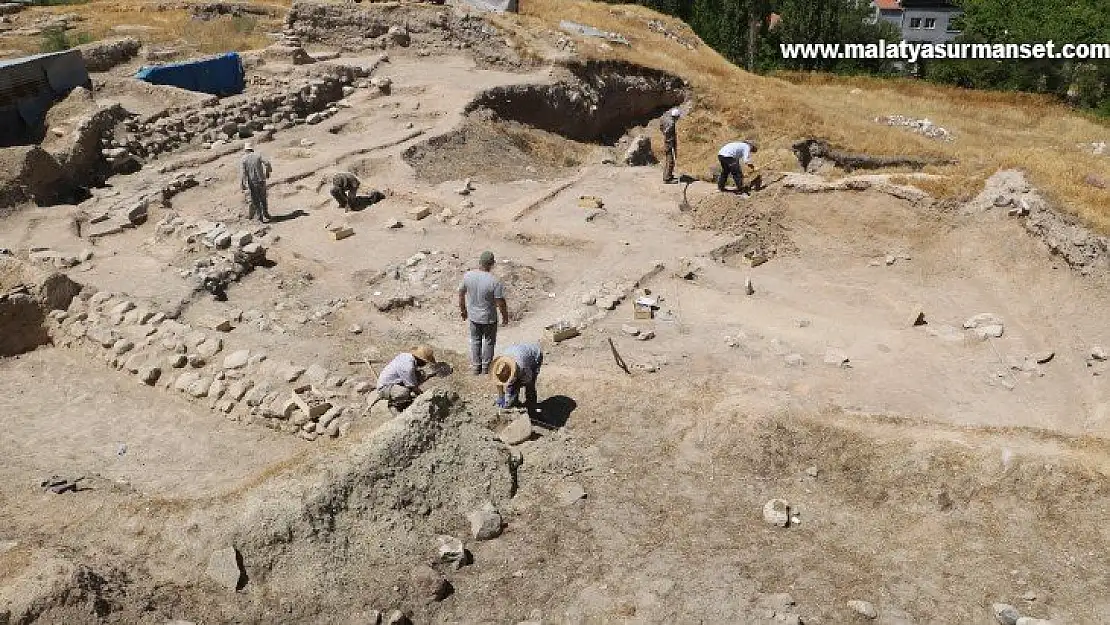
{"x":483,"y":338}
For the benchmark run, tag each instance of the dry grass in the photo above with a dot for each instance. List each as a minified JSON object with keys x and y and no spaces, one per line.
{"x":993,"y":130}
{"x":154,"y":26}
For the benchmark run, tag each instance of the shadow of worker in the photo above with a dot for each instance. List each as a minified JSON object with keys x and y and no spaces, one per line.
{"x":362,"y":202}
{"x":554,"y":412}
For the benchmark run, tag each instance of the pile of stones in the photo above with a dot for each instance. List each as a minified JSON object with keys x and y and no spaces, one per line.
{"x":242,"y":384}
{"x":133,"y":210}
{"x":234,"y":253}
{"x":920,"y":126}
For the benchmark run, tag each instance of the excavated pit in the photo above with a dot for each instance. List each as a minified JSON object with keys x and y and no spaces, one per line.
{"x":535,"y":130}
{"x":598,"y":103}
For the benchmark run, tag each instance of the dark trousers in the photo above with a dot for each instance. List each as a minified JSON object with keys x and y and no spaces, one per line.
{"x":669,"y":148}
{"x":259,"y":207}
{"x":345,"y":197}
{"x":729,"y":167}
{"x":483,"y":339}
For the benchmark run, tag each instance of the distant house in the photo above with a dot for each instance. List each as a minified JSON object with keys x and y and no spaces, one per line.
{"x":888,"y":11}
{"x":921,"y":21}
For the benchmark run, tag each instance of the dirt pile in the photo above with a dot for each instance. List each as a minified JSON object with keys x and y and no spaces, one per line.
{"x":598,"y":103}
{"x":26,"y":297}
{"x":490,"y":151}
{"x":29,"y":173}
{"x":369,"y":514}
{"x":757,"y":221}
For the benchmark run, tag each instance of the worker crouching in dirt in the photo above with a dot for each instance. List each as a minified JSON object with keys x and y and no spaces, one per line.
{"x":518,"y":367}
{"x":399,"y":383}
{"x":344,"y":188}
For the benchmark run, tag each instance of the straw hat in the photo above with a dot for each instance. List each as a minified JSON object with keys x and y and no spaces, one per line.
{"x":247,"y":147}
{"x":425,"y":353}
{"x":503,"y":369}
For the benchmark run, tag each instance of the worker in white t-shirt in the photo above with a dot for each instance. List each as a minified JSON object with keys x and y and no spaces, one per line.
{"x":730,"y":157}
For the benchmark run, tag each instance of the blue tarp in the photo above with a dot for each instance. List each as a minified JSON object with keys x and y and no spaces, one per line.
{"x":219,"y":75}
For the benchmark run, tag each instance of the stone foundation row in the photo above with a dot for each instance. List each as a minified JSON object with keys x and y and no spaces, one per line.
{"x":199,"y":363}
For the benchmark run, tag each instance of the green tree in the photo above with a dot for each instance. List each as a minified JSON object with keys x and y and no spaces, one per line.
{"x":1084,"y":82}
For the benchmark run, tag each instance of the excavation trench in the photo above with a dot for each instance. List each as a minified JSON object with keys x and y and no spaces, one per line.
{"x":543,"y":127}
{"x":601,"y":101}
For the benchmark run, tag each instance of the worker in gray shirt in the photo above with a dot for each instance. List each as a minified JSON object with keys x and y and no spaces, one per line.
{"x":518,"y":367}
{"x":481,"y":297}
{"x":255,"y":169}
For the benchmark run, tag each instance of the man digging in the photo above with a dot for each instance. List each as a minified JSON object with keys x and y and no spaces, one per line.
{"x":400,"y":380}
{"x":730,"y":157}
{"x":344,"y":188}
{"x":255,"y":169}
{"x":481,"y":297}
{"x":518,"y":367}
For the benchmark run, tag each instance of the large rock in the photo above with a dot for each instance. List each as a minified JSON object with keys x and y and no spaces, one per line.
{"x":639,"y":152}
{"x":237,"y":359}
{"x":225,"y":568}
{"x":451,"y":551}
{"x":485,"y":524}
{"x":1005,"y":614}
{"x":777,"y":512}
{"x":863,"y":608}
{"x":518,"y":431}
{"x":429,"y":584}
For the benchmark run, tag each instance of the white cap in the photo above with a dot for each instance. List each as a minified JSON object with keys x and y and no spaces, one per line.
{"x":675,"y":112}
{"x":247,"y":147}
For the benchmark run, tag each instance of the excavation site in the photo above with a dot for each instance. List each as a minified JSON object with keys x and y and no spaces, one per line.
{"x":871,"y":386}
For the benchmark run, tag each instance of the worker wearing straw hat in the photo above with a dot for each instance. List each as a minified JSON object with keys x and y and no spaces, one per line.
{"x":519,"y":366}
{"x":400,"y":380}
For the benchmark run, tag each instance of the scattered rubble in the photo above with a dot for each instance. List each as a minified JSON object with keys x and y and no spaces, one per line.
{"x":574,"y":28}
{"x":920,"y":126}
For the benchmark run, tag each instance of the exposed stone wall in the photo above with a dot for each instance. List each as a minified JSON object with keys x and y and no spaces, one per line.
{"x":309,"y":100}
{"x":102,"y":56}
{"x":203,"y":364}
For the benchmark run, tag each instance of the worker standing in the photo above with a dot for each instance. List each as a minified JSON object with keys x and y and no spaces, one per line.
{"x":481,"y":297}
{"x":730,"y":158}
{"x":669,"y":126}
{"x":344,"y":188}
{"x":255,"y":169}
{"x":518,"y":367}
{"x":400,"y":380}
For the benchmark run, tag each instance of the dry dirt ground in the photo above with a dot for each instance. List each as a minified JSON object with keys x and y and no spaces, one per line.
{"x":933,"y":476}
